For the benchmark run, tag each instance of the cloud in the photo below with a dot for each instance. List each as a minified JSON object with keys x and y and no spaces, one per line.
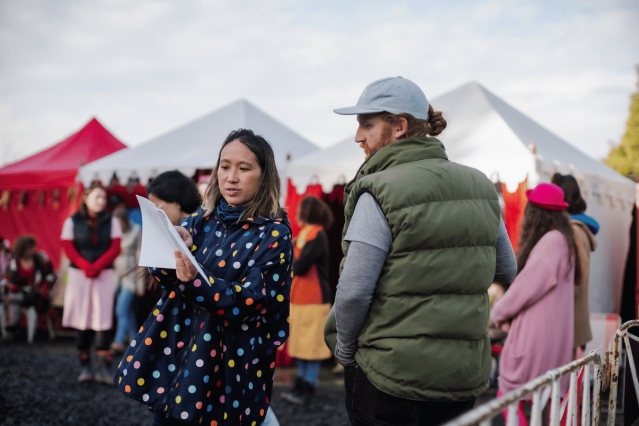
{"x":144,"y":68}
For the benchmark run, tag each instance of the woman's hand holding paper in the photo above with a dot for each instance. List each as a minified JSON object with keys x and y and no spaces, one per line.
{"x":186,"y":236}
{"x":184,"y":269}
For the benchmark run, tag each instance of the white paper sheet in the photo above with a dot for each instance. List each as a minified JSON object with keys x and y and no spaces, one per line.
{"x":160,"y":239}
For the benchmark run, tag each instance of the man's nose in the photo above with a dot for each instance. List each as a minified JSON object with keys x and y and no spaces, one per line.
{"x":359,"y":137}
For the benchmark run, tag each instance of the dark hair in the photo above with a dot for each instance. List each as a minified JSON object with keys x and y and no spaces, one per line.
{"x":174,"y":187}
{"x":314,"y":211}
{"x":417,"y":128}
{"x":22,"y":244}
{"x":536,"y":223}
{"x":266,"y":202}
{"x":114,"y":200}
{"x":572,"y":194}
{"x":124,"y":217}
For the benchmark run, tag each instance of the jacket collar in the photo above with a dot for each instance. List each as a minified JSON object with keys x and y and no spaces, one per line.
{"x":398,"y":153}
{"x":258,"y":221}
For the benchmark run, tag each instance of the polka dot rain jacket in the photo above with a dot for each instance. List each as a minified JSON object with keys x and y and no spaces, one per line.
{"x":206,"y":354}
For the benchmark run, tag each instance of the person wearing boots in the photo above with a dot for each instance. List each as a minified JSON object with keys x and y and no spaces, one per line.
{"x":310,"y":297}
{"x":91,"y":240}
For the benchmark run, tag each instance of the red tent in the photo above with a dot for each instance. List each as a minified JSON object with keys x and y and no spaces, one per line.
{"x":39,"y":192}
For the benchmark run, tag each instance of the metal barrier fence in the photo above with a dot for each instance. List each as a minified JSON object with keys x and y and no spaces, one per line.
{"x":485,"y":413}
{"x":606,"y":377}
{"x":612,"y":362}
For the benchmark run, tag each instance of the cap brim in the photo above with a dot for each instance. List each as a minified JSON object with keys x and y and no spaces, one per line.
{"x":355,"y":110}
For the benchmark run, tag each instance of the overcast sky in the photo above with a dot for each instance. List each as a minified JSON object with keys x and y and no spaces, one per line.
{"x":145,"y":67}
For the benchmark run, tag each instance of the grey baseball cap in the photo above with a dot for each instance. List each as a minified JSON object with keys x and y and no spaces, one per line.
{"x":396,"y":95}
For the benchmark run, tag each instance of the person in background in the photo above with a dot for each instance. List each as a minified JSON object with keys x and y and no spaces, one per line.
{"x":207,"y":352}
{"x":310,"y":297}
{"x":175,"y":194}
{"x":202,"y":183}
{"x":30,"y":278}
{"x":537,"y":311}
{"x":130,"y":283}
{"x":585,"y":228}
{"x":91,"y":239}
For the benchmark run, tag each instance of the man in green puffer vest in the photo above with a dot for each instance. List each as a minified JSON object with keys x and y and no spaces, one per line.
{"x":423,"y":240}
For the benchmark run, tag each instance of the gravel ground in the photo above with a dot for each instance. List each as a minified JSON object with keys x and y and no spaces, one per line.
{"x":38,"y":387}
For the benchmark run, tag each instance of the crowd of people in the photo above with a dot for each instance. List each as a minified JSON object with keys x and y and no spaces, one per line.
{"x":429,"y":281}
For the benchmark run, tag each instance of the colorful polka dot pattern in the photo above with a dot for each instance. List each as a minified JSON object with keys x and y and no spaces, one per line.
{"x":207,"y":352}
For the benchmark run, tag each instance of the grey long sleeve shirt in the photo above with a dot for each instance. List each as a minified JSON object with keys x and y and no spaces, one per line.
{"x":370,"y":238}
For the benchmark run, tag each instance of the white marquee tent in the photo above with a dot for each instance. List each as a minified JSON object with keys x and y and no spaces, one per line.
{"x":486,"y":133}
{"x":196,"y":145}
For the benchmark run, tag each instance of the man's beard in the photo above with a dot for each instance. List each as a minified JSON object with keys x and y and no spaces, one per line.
{"x":384,"y":140}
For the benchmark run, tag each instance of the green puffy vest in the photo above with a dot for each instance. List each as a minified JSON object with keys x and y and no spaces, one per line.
{"x":426,"y":335}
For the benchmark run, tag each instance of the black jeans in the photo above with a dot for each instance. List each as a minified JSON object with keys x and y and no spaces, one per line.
{"x":368,"y":406}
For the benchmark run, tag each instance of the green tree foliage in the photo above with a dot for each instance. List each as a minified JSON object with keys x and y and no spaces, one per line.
{"x":625,"y":157}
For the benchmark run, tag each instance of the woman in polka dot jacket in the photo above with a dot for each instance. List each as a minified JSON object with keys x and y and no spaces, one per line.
{"x":206,"y":354}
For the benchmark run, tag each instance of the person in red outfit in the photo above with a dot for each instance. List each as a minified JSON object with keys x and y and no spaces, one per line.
{"x":29,"y":279}
{"x":91,"y":239}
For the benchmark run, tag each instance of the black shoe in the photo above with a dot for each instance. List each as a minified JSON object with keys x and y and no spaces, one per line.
{"x":299,"y":393}
{"x":299,"y":384}
{"x":308,"y":388}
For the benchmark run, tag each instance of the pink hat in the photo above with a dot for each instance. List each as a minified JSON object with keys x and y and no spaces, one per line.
{"x":203,"y":179}
{"x":547,"y":196}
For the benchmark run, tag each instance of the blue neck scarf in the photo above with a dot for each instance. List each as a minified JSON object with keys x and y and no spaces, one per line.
{"x":228,"y":214}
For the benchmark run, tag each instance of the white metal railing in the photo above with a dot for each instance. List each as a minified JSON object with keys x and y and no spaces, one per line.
{"x":613,"y":360}
{"x":606,"y":378}
{"x":485,"y":413}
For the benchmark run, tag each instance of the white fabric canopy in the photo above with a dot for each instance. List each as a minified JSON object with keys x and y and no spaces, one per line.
{"x":486,"y":133}
{"x":336,"y":164}
{"x":196,"y":145}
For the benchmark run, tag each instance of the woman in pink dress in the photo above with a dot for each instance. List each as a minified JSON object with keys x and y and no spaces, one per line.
{"x":91,"y":240}
{"x":537,"y":310}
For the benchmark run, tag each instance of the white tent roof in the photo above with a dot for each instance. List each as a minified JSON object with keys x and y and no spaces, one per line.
{"x":483,"y":132}
{"x":196,"y":145}
{"x":486,"y":133}
{"x":333,"y":165}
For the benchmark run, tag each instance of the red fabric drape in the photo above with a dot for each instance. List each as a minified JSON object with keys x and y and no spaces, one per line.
{"x":515,"y":204}
{"x":42,"y":221}
{"x":127,"y":194}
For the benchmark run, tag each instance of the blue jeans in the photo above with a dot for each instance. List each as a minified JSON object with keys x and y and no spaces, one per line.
{"x":309,"y":370}
{"x":127,"y":324}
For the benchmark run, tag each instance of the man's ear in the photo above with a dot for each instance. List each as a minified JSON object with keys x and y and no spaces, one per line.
{"x":401,"y":128}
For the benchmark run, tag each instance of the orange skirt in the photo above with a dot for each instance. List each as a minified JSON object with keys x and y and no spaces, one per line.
{"x":306,"y":338}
